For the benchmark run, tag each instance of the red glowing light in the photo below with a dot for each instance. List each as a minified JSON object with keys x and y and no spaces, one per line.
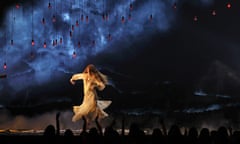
{"x":72,"y":27}
{"x":53,"y":42}
{"x":61,"y":40}
{"x":214,"y":13}
{"x":49,"y":5}
{"x":5,"y":65}
{"x":109,"y":37}
{"x":33,"y":43}
{"x":82,"y":17}
{"x":77,"y":23}
{"x":151,"y":17}
{"x":175,"y":6}
{"x":103,"y":17}
{"x":129,"y":16}
{"x":44,"y":44}
{"x":54,"y":18}
{"x":17,"y":6}
{"x":74,"y":54}
{"x":131,"y":7}
{"x":43,"y":20}
{"x":106,"y":16}
{"x":195,"y":18}
{"x":229,"y":5}
{"x":123,"y":19}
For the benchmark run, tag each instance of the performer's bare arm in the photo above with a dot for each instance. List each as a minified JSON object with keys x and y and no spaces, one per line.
{"x":100,"y":85}
{"x":76,"y":77}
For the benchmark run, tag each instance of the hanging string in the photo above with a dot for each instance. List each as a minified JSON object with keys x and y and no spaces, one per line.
{"x":33,"y":42}
{"x":77,"y":22}
{"x":71,"y":29}
{"x":87,"y":12}
{"x":82,"y":16}
{"x":72,"y":15}
{"x":109,"y":36}
{"x":130,"y":9}
{"x":5,"y":54}
{"x":49,"y":5}
{"x":151,"y":15}
{"x":107,"y":10}
{"x":103,"y":11}
{"x":56,"y":26}
{"x":13,"y":20}
{"x":32,"y":24}
{"x":79,"y":32}
{"x":61,"y":11}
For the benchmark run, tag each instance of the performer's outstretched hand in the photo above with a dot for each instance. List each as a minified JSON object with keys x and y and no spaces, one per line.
{"x":72,"y":82}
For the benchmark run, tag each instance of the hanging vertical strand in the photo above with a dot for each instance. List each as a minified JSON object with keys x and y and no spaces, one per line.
{"x":5,"y":54}
{"x":49,"y":5}
{"x":61,"y":39}
{"x":151,"y":15}
{"x":33,"y":42}
{"x":79,"y":32}
{"x":103,"y":11}
{"x":13,"y":21}
{"x":130,"y":10}
{"x":109,"y":36}
{"x":82,"y":16}
{"x":87,"y":18}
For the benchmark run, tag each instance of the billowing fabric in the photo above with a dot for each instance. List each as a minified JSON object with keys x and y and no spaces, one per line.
{"x":91,"y":107}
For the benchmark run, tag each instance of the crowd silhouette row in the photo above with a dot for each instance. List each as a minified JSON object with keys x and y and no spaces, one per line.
{"x":109,"y":135}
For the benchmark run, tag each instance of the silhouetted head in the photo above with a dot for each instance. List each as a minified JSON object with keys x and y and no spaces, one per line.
{"x":93,"y":132}
{"x":68,"y":132}
{"x":110,"y":132}
{"x":174,"y":130}
{"x":204,"y":132}
{"x":193,"y":132}
{"x":157,"y":132}
{"x":49,"y":131}
{"x":135,"y":130}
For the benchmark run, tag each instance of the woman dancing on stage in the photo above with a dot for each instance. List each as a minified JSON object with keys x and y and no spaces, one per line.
{"x":91,"y":108}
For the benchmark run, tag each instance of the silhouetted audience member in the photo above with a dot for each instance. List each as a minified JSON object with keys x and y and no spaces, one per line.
{"x":68,"y":132}
{"x":157,"y":136}
{"x":213,"y":135}
{"x":135,"y":130}
{"x":235,"y":138}
{"x":222,"y":136}
{"x":174,"y":135}
{"x":49,"y":131}
{"x":204,"y":136}
{"x":110,"y":134}
{"x":192,"y":136}
{"x":135,"y":135}
{"x":57,"y":124}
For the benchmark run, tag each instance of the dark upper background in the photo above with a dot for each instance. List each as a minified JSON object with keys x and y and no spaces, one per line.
{"x":165,"y":65}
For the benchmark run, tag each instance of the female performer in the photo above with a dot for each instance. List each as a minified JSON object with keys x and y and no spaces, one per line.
{"x":91,"y":108}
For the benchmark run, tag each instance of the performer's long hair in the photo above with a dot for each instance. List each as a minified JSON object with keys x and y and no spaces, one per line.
{"x":95,"y":74}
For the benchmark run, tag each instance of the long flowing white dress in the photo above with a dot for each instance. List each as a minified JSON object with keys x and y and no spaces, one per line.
{"x":91,"y":107}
